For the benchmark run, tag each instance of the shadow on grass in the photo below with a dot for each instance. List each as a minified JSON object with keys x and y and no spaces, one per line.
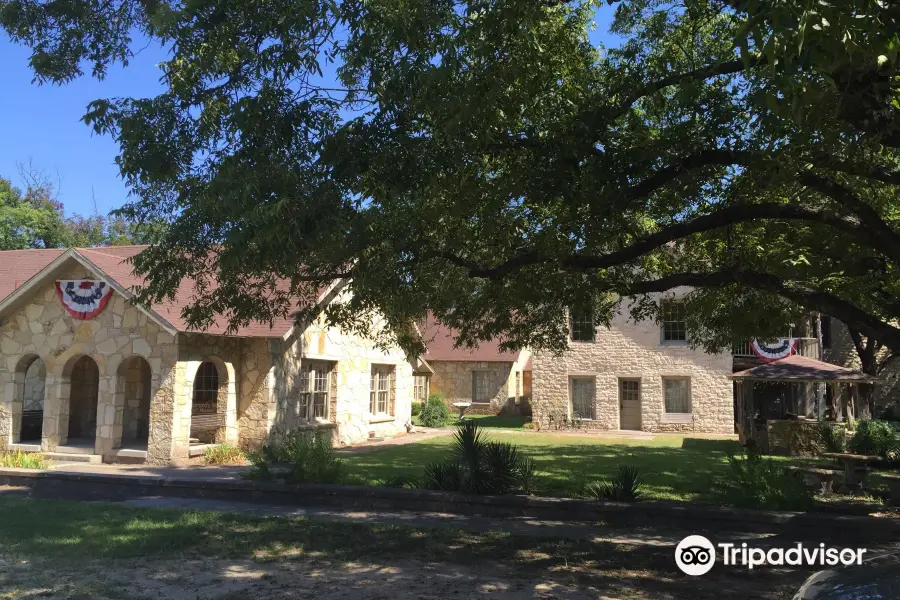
{"x":500,"y":421}
{"x":71,"y":533}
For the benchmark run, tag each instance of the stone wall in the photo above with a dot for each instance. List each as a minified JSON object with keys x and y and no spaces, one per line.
{"x":352,"y":358}
{"x":34,"y":386}
{"x":453,"y":379}
{"x":629,"y":350}
{"x":843,"y":352}
{"x":40,"y":327}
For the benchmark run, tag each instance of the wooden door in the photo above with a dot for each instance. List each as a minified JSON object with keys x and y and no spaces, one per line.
{"x":630,"y":404}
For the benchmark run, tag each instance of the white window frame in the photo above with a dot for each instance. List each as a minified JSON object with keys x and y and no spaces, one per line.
{"x":663,"y":321}
{"x":314,"y":391}
{"x":591,"y":382}
{"x":585,"y":320}
{"x":680,"y":416}
{"x":421,"y":387}
{"x":381,"y":390}
{"x":486,"y":375}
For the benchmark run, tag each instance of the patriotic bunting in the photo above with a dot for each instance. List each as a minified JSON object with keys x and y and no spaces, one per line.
{"x":83,"y":298}
{"x":774,"y":351}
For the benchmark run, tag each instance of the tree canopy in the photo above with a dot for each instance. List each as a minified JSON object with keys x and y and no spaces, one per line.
{"x":484,"y":161}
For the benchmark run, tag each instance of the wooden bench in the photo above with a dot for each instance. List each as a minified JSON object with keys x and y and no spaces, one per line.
{"x":856,"y":470}
{"x":821,"y":480}
{"x":206,"y":422}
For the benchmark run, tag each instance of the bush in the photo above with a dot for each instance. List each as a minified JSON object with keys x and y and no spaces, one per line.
{"x":224,"y":454}
{"x":875,"y":438}
{"x":311,"y":457}
{"x":23,"y":460}
{"x":528,"y":425}
{"x":435,"y":413}
{"x":480,"y":466}
{"x":834,"y":437}
{"x":417,"y":408}
{"x":757,"y":482}
{"x":625,"y":486}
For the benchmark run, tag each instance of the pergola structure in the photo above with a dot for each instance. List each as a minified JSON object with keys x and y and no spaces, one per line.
{"x":795,"y":388}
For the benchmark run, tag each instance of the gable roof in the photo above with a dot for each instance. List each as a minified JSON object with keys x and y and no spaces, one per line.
{"x":440,"y":342}
{"x":21,"y":267}
{"x":802,"y":368}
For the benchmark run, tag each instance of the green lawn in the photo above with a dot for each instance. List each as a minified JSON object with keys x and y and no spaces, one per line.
{"x":674,"y":467}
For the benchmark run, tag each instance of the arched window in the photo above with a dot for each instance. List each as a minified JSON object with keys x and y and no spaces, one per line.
{"x":206,"y":390}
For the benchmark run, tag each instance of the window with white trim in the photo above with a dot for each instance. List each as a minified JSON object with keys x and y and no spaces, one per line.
{"x":314,"y":391}
{"x":420,"y":388}
{"x":481,"y":386}
{"x":677,"y":392}
{"x":672,"y":319}
{"x":381,"y":390}
{"x":581,"y":325}
{"x":581,"y":390}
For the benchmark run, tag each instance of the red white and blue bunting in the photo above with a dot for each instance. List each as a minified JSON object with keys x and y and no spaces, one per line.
{"x":776,"y":350}
{"x":83,"y":298}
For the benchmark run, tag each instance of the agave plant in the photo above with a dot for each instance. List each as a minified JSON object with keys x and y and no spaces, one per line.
{"x":624,"y":486}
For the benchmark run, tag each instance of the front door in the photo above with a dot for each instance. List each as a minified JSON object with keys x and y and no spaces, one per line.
{"x":630,"y":404}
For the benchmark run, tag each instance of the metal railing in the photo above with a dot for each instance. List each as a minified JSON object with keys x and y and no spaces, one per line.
{"x":806,"y":347}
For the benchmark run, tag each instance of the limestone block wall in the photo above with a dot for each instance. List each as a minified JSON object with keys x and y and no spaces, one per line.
{"x":256,"y":401}
{"x":40,"y":327}
{"x":842,"y":352}
{"x":454,"y":379}
{"x":634,"y":350}
{"x":352,"y":358}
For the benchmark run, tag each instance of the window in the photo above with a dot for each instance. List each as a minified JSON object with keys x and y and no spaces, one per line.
{"x":672,"y":317}
{"x":481,"y":386}
{"x":581,"y":325}
{"x":314,"y":387}
{"x":381,"y":390}
{"x":582,"y":391}
{"x":629,"y":390}
{"x":205,"y":400}
{"x":420,"y":388}
{"x":677,"y":394}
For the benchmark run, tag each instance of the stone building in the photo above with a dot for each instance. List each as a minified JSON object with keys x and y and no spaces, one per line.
{"x":83,"y":370}
{"x":492,"y":379}
{"x":633,"y":376}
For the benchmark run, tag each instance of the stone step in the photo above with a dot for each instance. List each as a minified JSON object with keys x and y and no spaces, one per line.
{"x":94,"y":459}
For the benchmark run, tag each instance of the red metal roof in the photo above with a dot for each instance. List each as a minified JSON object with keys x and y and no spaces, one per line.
{"x":802,"y":368}
{"x":440,"y":341}
{"x":18,"y":266}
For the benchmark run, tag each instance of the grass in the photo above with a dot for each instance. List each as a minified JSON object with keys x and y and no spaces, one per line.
{"x":485,"y":421}
{"x":673,"y":467}
{"x":224,"y":454}
{"x":23,"y":460}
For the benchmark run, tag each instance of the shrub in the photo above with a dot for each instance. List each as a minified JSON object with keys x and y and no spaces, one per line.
{"x":528,"y":425}
{"x":834,"y":437}
{"x":480,"y":466}
{"x":311,"y":457}
{"x":757,"y":482}
{"x":417,"y":408}
{"x":224,"y":454}
{"x":435,"y":413}
{"x":18,"y":459}
{"x":400,"y":481}
{"x":625,"y":486}
{"x":873,"y":437}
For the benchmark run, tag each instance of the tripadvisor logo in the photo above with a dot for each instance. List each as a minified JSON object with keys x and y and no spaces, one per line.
{"x":696,"y":555}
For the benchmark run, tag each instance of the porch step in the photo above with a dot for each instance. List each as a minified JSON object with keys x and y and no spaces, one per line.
{"x":25,"y":447}
{"x":94,"y":459}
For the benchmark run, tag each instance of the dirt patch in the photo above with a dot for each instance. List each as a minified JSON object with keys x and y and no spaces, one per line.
{"x":287,"y":577}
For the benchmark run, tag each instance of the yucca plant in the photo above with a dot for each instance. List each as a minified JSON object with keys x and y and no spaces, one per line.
{"x":443,"y":476}
{"x":625,"y":486}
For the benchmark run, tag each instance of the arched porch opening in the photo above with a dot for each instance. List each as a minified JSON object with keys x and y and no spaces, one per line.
{"x":209,"y":403}
{"x":134,"y":385}
{"x":84,"y":379}
{"x":28,"y":404}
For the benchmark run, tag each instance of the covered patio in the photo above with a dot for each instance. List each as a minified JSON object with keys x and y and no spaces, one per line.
{"x":779,"y":403}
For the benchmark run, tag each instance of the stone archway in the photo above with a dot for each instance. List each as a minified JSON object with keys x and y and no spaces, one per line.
{"x":133,"y":383}
{"x":209,"y":402}
{"x":33,"y":388}
{"x":84,"y":379}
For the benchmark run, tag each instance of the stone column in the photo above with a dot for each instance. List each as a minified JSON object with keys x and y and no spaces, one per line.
{"x":56,"y":411}
{"x":7,"y":409}
{"x":166,"y":441}
{"x":110,"y":411}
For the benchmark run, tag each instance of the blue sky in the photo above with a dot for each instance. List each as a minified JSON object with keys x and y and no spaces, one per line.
{"x":43,"y":124}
